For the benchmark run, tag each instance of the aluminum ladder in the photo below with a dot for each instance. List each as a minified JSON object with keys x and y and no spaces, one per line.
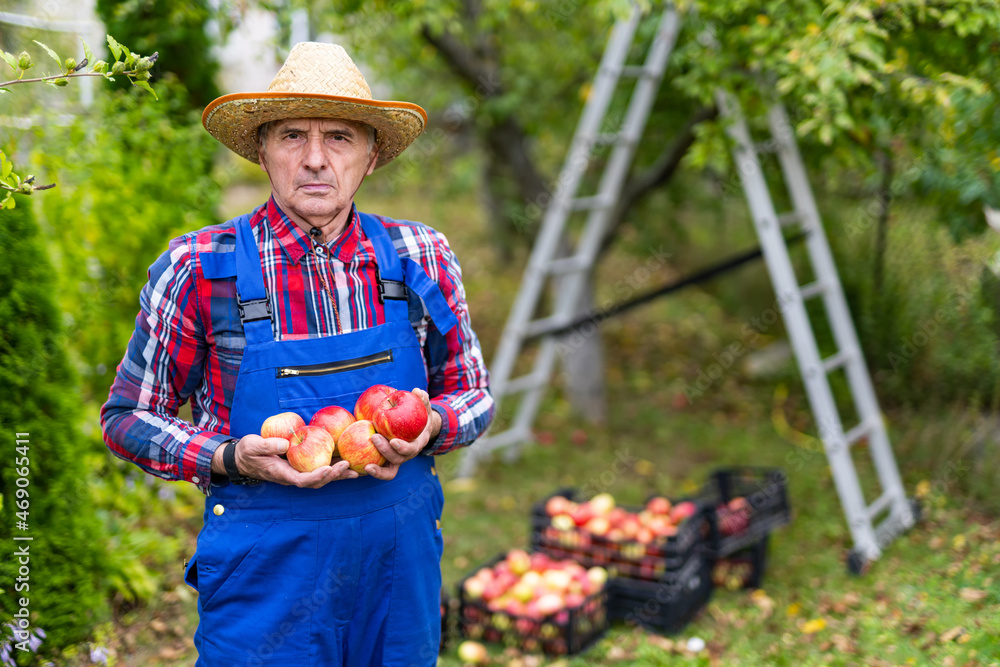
{"x":573,"y":271}
{"x":869,"y":536}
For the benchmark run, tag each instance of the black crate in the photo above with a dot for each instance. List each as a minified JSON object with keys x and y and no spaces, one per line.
{"x":665,"y":606}
{"x":448,"y":611}
{"x":766,"y":493}
{"x":743,"y":569}
{"x":565,"y":632}
{"x":622,"y":558}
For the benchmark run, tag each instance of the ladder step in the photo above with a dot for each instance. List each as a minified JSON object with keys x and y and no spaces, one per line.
{"x":790,"y":218}
{"x":813,"y":289}
{"x":879,"y":505}
{"x":544,"y":324}
{"x":525,"y":382}
{"x":590,"y":203}
{"x":610,"y":138}
{"x":856,"y":433}
{"x":838,"y":360}
{"x":637,"y":71}
{"x":571,"y":264}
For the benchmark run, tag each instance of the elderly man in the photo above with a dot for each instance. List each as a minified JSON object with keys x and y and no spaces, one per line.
{"x":302,"y":304}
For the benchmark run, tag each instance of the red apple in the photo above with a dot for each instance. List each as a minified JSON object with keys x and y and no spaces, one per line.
{"x":401,"y":415}
{"x":281,"y":426}
{"x":474,"y":588}
{"x":682,"y":511}
{"x":539,"y":562}
{"x":598,"y":526}
{"x":582,"y":514}
{"x":558,"y":505}
{"x":658,"y":505}
{"x":369,"y":401}
{"x":355,"y":446}
{"x":311,"y":447}
{"x":549,"y":603}
{"x":334,"y":419}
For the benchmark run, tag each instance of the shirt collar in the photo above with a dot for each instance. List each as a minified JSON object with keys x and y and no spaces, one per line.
{"x":296,"y":243}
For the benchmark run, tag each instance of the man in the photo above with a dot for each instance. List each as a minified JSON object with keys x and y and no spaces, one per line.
{"x":302,"y":304}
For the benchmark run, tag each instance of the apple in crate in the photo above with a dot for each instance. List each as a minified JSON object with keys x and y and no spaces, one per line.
{"x":473,"y":653}
{"x":658,"y":505}
{"x":368,"y":402}
{"x":682,"y":511}
{"x":334,"y":419}
{"x":355,"y":446}
{"x":401,"y":415}
{"x":281,"y":425}
{"x":311,"y":447}
{"x":519,"y":561}
{"x":602,"y":503}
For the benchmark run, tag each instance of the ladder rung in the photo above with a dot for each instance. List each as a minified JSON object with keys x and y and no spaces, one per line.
{"x":609,"y":138}
{"x":544,"y":324}
{"x":637,"y":71}
{"x":525,"y":382}
{"x":589,"y":203}
{"x":838,"y":360}
{"x":790,"y":218}
{"x":856,"y":433}
{"x":570,"y":264}
{"x":879,"y":505}
{"x":812,"y":289}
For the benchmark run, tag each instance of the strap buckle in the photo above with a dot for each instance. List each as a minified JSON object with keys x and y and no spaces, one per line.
{"x":390,"y":289}
{"x":251,"y":311}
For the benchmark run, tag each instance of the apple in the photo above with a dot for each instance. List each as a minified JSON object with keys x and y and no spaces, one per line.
{"x":473,"y":653}
{"x":369,"y":401}
{"x":281,"y":426}
{"x":519,"y":561}
{"x":548,"y":604}
{"x":617,"y":516}
{"x":559,"y":505}
{"x":582,"y":514}
{"x":658,"y":505}
{"x":598,"y":576}
{"x":563,"y":522}
{"x":682,"y":511}
{"x":599,"y":525}
{"x":355,"y":446}
{"x":557,"y":580}
{"x":310,"y":447}
{"x":539,"y":562}
{"x":602,"y":503}
{"x":401,"y":415}
{"x":334,"y":419}
{"x":474,"y":588}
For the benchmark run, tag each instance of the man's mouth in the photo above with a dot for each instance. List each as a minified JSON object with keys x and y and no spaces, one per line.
{"x":315,"y":187}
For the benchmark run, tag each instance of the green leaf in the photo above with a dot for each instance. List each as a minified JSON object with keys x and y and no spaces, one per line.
{"x":87,"y":53}
{"x":115,"y":47}
{"x":6,"y":169}
{"x":8,"y":201}
{"x":4,"y":90}
{"x":145,"y":85}
{"x":51,"y":53}
{"x":10,"y":59}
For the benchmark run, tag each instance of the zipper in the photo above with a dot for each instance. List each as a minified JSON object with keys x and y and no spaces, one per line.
{"x":335,"y":367}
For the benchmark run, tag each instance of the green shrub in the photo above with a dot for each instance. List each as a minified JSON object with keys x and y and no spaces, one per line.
{"x":40,"y":398}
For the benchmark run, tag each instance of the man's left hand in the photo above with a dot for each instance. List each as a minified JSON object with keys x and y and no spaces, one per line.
{"x":396,"y":451}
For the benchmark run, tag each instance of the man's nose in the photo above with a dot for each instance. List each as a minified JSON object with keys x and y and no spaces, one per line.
{"x":315,"y":157}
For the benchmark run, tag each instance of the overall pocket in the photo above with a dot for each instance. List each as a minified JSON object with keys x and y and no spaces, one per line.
{"x":224,"y":551}
{"x":333,"y":383}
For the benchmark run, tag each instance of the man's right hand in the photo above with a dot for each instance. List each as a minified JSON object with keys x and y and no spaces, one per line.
{"x":260,"y":458}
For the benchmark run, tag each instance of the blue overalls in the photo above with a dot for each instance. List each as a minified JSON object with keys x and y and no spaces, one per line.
{"x":348,"y":574}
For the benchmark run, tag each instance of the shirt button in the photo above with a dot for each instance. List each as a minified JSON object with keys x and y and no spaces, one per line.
{"x":218,"y":509}
{"x":320,"y":249}
{"x":196,"y":479}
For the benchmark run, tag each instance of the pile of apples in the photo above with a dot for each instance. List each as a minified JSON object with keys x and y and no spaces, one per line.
{"x":600,"y":516}
{"x":335,"y":434}
{"x":534,"y":594}
{"x":733,"y":517}
{"x":732,"y":573}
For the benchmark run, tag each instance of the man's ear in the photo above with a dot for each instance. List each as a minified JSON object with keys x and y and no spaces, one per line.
{"x":371,"y":163}
{"x":260,"y":160}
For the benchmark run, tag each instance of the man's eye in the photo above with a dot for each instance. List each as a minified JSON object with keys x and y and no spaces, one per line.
{"x":292,"y":135}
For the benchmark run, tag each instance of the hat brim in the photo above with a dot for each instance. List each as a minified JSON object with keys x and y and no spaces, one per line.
{"x":233,"y":119}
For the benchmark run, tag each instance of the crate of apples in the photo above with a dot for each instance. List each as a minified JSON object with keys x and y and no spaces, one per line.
{"x":638,"y":542}
{"x":534,"y":602}
{"x":747,"y":503}
{"x":334,"y":434}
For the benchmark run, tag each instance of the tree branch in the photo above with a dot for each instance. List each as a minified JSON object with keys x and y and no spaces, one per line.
{"x":461,"y":60}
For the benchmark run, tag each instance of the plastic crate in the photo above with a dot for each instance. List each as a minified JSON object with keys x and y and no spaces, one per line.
{"x":743,"y":569}
{"x":766,"y":493}
{"x":448,"y":605}
{"x":623,"y":558}
{"x":665,"y":606}
{"x":565,"y":632}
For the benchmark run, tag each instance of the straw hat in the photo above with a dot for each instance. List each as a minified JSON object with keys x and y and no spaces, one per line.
{"x":316,"y":81}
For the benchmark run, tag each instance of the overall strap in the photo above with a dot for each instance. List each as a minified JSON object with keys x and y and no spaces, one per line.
{"x":251,"y":297}
{"x":388,"y":272}
{"x":418,"y":280}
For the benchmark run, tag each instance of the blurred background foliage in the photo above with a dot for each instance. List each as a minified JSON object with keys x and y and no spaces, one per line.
{"x":895,"y":104}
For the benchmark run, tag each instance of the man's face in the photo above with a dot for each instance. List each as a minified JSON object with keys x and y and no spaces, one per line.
{"x":316,"y":165}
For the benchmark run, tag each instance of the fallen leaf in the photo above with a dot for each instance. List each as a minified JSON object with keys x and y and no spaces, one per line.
{"x":461,"y":484}
{"x":972,"y":594}
{"x":951,"y":635}
{"x":958,"y":542}
{"x":813,"y":626}
{"x":793,"y":609}
{"x":763,"y":602}
{"x":158,"y":625}
{"x":923,"y":488}
{"x":168,"y":653}
{"x":661,"y":642}
{"x":644,"y":467}
{"x":936,"y":542}
{"x":843,"y":644}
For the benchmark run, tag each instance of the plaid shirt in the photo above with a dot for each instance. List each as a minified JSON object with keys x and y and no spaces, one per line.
{"x":188,"y":339}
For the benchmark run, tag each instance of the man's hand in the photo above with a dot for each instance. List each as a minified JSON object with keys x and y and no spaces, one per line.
{"x":260,"y":458}
{"x":396,"y":451}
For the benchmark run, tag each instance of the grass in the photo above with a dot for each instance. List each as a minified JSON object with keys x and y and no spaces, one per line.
{"x":934,"y":598}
